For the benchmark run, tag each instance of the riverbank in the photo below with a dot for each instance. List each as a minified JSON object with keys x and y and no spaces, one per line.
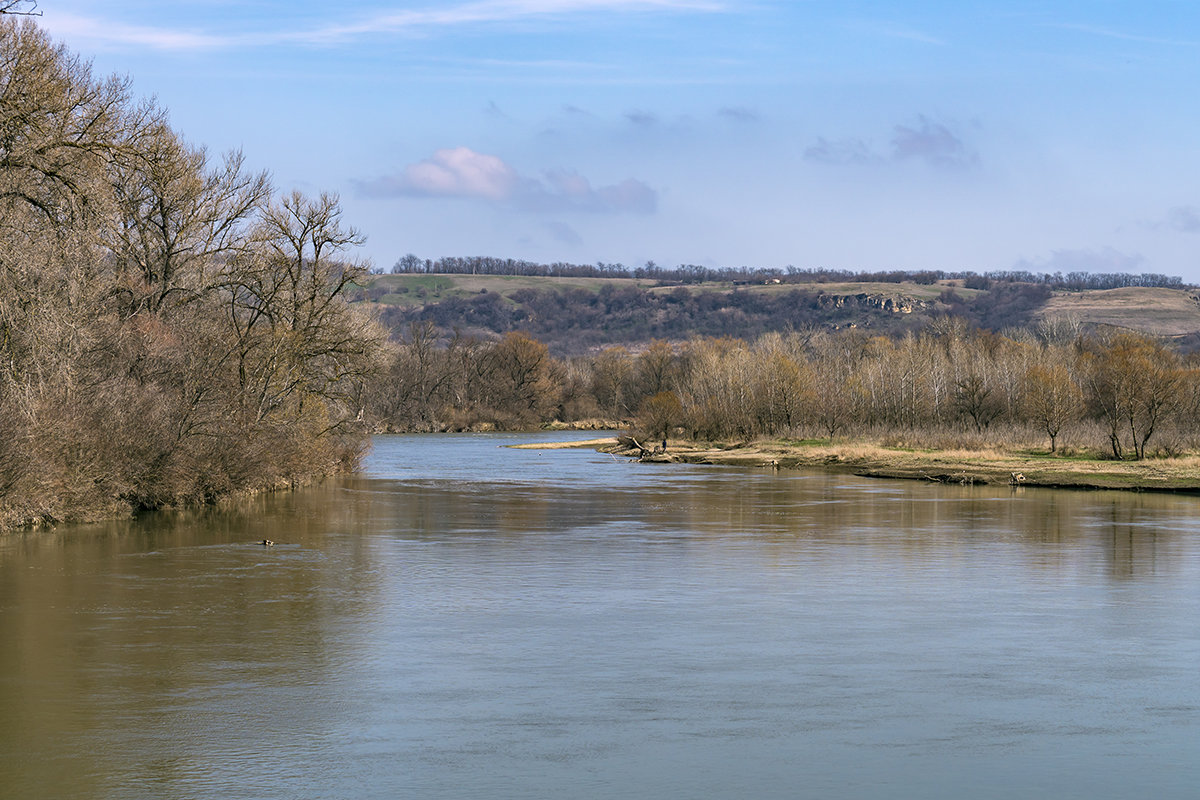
{"x":1181,"y":474}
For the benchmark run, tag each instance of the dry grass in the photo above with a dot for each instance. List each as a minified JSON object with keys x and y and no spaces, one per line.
{"x":987,"y":465}
{"x":1163,"y":312}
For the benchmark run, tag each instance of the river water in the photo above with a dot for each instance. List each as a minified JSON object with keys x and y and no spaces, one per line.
{"x":465,"y":620}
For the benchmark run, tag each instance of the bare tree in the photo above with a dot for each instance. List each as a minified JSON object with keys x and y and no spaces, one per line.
{"x":1051,"y":399}
{"x":296,"y":338}
{"x":59,"y":128}
{"x":612,"y":374}
{"x":659,"y":414}
{"x":975,"y":399}
{"x":524,"y":383}
{"x":178,"y":219}
{"x":1134,"y":386}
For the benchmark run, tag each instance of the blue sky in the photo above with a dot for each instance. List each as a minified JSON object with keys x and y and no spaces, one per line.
{"x":860,"y":135}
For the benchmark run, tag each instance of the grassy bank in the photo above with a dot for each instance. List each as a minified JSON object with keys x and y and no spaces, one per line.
{"x":1180,"y":474}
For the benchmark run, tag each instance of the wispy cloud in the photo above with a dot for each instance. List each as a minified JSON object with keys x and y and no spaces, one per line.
{"x":563,"y":233}
{"x":842,"y":151}
{"x":928,"y":141}
{"x":643,"y":119}
{"x":738,"y":114}
{"x":340,"y":30}
{"x":1185,"y":219}
{"x":893,"y":30}
{"x":1104,"y":259}
{"x":932,"y":143}
{"x":76,"y":28}
{"x":1109,"y":33}
{"x":463,"y":173}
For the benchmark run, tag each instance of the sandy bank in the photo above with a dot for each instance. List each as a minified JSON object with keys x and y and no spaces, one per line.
{"x":608,"y":441}
{"x":961,"y":467}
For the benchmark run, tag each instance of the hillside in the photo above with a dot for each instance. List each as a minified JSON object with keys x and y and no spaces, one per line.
{"x":408,"y":290}
{"x":1161,"y":312}
{"x":579,"y":314}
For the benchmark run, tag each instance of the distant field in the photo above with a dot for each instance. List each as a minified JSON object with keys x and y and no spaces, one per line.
{"x":1164,"y":312}
{"x":416,"y":290}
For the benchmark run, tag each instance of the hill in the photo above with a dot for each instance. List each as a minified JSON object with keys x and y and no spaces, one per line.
{"x":574,"y":315}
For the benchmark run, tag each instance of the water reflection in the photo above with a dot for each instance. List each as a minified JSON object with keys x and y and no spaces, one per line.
{"x":468,"y":620}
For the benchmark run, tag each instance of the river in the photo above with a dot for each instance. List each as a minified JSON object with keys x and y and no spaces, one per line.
{"x":466,"y":620}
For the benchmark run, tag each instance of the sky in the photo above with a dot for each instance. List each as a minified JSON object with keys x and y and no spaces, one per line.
{"x":991,"y":135}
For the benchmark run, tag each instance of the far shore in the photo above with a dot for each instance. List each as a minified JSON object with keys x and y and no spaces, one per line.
{"x":991,"y":467}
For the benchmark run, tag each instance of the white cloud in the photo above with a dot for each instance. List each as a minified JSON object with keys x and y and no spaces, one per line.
{"x":461,"y":172}
{"x":457,"y":172}
{"x":75,"y":28}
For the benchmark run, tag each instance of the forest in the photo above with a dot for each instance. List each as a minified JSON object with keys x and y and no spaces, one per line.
{"x":1117,"y":395}
{"x":172,"y":329}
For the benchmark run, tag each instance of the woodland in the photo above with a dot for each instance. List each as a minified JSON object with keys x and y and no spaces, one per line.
{"x":172,"y":329}
{"x":1113,"y":394}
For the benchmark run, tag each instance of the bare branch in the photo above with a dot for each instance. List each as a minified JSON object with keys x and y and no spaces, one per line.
{"x":14,"y":7}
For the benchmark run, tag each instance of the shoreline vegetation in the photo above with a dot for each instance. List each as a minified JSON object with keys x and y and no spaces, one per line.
{"x":173,"y":329}
{"x":959,"y":467}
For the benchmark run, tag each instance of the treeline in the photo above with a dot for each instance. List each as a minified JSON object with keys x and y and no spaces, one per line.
{"x":1125,"y":395}
{"x":1074,"y":281}
{"x":171,"y":330}
{"x":572,"y":321}
{"x":691,"y":274}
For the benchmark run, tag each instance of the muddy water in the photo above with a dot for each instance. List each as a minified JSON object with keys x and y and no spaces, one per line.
{"x":466,"y":620}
